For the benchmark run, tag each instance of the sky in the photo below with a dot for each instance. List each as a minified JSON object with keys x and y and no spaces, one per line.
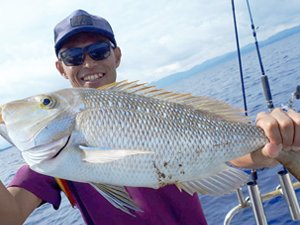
{"x":157,"y":37}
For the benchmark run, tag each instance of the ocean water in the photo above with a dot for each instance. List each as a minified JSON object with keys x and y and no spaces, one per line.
{"x":282,"y":65}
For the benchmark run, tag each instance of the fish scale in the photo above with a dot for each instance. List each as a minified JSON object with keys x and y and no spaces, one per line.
{"x":160,"y":131}
{"x":128,"y":134}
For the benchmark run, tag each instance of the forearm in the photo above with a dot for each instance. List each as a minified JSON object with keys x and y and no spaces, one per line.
{"x":16,"y":204}
{"x":9,"y":209}
{"x":255,"y":160}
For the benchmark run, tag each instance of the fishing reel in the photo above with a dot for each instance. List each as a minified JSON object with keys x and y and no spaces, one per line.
{"x":295,"y":95}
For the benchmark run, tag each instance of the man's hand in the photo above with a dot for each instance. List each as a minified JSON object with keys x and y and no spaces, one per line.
{"x":283,"y":131}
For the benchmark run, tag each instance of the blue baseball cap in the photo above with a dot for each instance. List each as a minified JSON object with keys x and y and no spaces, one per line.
{"x":81,"y":22}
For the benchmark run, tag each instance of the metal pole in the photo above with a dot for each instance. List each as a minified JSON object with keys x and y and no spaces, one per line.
{"x":257,"y":206}
{"x":240,"y":197}
{"x":247,"y":203}
{"x":289,"y":194}
{"x":242,"y":205}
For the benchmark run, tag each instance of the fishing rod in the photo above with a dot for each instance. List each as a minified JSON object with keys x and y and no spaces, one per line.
{"x":239,"y":59}
{"x":252,"y":186}
{"x":253,"y":172}
{"x":264,"y":77}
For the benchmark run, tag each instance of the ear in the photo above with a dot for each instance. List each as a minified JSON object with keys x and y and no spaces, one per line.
{"x":60,"y":69}
{"x":118,"y":56}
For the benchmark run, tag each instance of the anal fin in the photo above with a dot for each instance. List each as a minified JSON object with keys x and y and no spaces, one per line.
{"x":222,"y":182}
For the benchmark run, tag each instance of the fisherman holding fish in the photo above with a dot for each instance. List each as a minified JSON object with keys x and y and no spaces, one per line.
{"x":88,"y":56}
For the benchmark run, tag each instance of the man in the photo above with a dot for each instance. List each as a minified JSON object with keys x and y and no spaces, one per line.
{"x":88,"y":57}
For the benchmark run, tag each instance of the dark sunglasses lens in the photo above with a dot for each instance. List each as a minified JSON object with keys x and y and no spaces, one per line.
{"x":72,"y":57}
{"x":99,"y":51}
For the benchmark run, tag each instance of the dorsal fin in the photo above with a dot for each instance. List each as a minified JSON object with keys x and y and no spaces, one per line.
{"x":213,"y":106}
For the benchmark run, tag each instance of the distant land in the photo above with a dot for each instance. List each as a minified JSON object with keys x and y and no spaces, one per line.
{"x":173,"y":78}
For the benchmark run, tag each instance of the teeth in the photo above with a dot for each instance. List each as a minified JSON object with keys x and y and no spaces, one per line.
{"x":93,"y":77}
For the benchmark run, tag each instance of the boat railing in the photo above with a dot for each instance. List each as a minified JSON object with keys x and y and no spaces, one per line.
{"x":295,"y":95}
{"x":286,"y":189}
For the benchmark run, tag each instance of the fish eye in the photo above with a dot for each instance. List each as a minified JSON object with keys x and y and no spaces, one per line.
{"x":48,"y":102}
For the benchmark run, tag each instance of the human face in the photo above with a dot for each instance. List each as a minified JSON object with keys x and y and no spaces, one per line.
{"x":91,"y":73}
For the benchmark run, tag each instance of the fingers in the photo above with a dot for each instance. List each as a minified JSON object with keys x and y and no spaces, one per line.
{"x":296,"y":120}
{"x":270,"y":125}
{"x":282,"y":129}
{"x":271,"y":150}
{"x":265,"y":157}
{"x":285,"y":127}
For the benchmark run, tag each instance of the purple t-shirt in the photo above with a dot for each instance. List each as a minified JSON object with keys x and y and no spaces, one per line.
{"x":163,"y":206}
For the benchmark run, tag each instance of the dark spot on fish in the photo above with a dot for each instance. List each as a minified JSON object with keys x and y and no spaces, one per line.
{"x":160,"y":176}
{"x":180,"y":165}
{"x":182,"y":172}
{"x":198,"y":151}
{"x":170,"y":176}
{"x":165,"y":164}
{"x":225,"y":143}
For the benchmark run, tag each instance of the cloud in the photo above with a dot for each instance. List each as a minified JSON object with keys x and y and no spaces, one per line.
{"x":30,"y":77}
{"x":27,"y":70}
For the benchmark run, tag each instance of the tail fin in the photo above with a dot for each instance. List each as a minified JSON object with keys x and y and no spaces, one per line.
{"x":291,"y":161}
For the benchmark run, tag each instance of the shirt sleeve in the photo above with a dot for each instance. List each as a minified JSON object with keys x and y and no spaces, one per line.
{"x":44,"y":187}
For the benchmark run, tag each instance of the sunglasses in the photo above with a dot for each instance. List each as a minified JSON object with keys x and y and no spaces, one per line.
{"x":75,"y":56}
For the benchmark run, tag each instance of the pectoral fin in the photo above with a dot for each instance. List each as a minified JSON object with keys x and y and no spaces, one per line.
{"x":117,"y":196}
{"x":106,"y":155}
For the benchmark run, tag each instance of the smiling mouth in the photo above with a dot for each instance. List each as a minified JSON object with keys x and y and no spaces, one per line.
{"x":93,"y":77}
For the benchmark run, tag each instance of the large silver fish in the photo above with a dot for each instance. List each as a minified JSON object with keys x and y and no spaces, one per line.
{"x":127,"y":134}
